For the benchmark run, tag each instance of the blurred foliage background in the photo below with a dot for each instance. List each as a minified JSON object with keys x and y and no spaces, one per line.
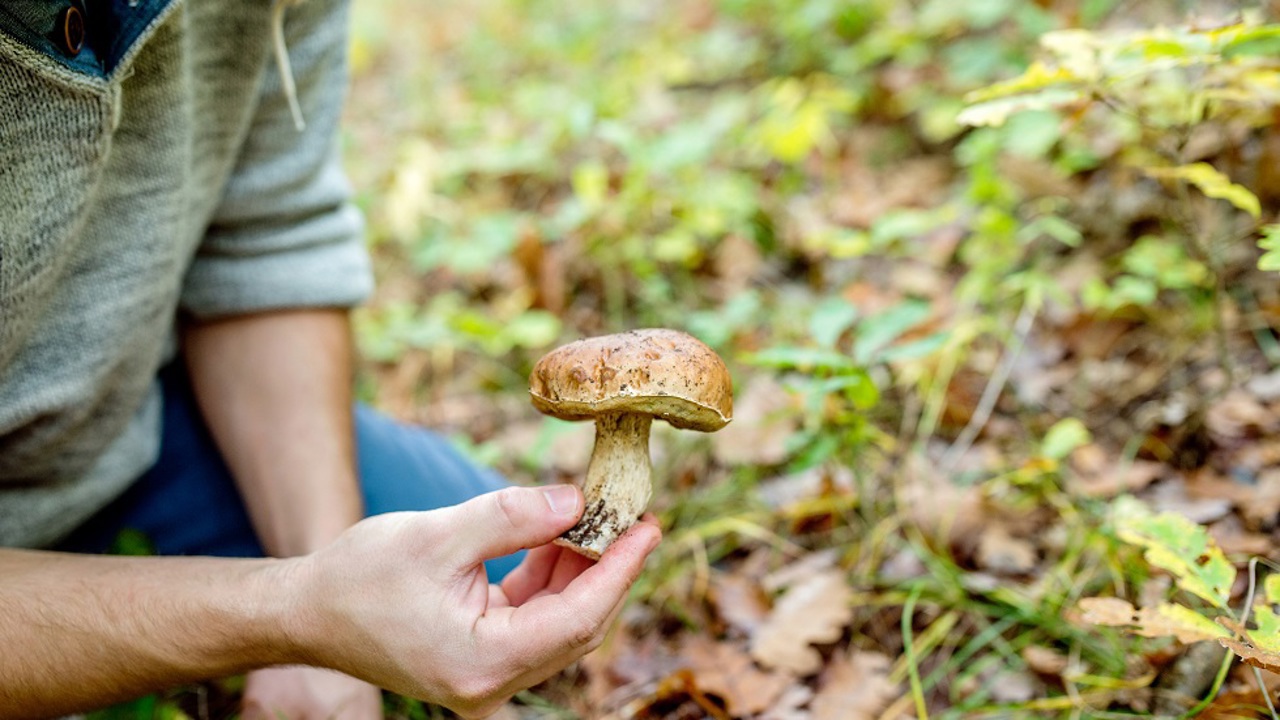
{"x":979,"y":268}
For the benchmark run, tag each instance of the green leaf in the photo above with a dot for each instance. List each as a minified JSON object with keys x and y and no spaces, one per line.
{"x":1165,"y":261}
{"x":1270,"y":244}
{"x":1054,"y":226}
{"x":1267,"y":636}
{"x":1033,"y":133}
{"x":1271,"y":588}
{"x":1065,"y":435}
{"x":1252,"y":42}
{"x":877,"y":331}
{"x":856,"y":386}
{"x":1181,"y":547}
{"x":1212,"y":183}
{"x":923,"y":347}
{"x":532,"y":329}
{"x":802,"y":358}
{"x":830,"y":319}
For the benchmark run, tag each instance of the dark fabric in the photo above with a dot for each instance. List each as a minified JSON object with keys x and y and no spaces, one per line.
{"x":113,"y":27}
{"x":187,"y":504}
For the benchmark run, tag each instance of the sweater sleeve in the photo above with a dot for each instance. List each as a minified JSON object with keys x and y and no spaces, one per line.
{"x":286,"y":233}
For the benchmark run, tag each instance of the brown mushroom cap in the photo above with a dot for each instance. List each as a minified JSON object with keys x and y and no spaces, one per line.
{"x":664,"y":373}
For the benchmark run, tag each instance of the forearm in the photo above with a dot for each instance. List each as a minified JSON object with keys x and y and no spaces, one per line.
{"x":275,"y":390}
{"x":79,"y":631}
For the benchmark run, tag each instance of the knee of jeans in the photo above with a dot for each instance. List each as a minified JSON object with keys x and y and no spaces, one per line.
{"x":404,"y":467}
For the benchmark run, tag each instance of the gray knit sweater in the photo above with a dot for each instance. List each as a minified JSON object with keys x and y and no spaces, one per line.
{"x":153,"y":174}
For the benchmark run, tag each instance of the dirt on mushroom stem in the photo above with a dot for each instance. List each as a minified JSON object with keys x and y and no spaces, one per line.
{"x":617,"y":485}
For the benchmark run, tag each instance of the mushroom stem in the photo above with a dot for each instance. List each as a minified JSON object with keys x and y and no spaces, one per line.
{"x":617,"y":486}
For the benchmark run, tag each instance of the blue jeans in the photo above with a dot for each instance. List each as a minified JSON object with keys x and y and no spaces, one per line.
{"x":188,"y":504}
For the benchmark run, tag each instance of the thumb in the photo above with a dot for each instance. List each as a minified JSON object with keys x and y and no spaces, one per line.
{"x":502,"y":522}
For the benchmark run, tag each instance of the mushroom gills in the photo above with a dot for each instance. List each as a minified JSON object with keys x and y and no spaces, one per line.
{"x":617,"y":484}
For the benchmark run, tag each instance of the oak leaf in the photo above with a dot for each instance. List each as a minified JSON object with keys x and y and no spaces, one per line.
{"x":815,"y":610}
{"x":725,"y":670}
{"x":739,"y":601}
{"x":855,"y":686}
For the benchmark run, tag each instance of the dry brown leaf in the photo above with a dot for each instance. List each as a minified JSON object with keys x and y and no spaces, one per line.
{"x":1263,"y":508}
{"x":782,"y":491}
{"x":793,"y":705}
{"x":1098,"y":474}
{"x":941,"y":508}
{"x":1171,"y":496}
{"x":1233,"y":539}
{"x":800,"y":569}
{"x":855,"y":686}
{"x":1238,"y":414}
{"x":1268,"y":661}
{"x":815,"y":610}
{"x":737,"y":261}
{"x":1044,"y":660}
{"x":725,"y":670}
{"x":624,"y":666}
{"x":739,"y":601}
{"x":1000,"y":552}
{"x":1248,"y":652}
{"x":1014,"y":686}
{"x":765,"y":418}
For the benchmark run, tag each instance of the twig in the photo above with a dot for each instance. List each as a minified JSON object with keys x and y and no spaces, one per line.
{"x":987,"y":403}
{"x":1244,"y":618}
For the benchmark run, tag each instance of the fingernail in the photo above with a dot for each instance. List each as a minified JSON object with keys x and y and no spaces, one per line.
{"x":562,"y":499}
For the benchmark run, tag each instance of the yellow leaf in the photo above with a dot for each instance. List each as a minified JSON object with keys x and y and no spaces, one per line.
{"x":1212,"y":183}
{"x":1181,"y":622}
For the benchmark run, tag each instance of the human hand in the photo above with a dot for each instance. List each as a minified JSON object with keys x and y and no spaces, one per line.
{"x":402,"y":600}
{"x":299,"y":692}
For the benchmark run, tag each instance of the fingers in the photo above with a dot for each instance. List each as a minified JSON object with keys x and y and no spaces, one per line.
{"x":575,"y":616}
{"x":497,"y":598}
{"x":532,"y":575}
{"x":502,"y":522}
{"x":569,"y":567}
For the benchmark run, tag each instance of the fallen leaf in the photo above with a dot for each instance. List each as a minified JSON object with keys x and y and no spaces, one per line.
{"x":806,"y":484}
{"x":1167,"y":619}
{"x":1044,"y":660}
{"x":855,"y":686}
{"x":1264,"y":506}
{"x":1265,"y":387}
{"x":802,"y":568}
{"x":1000,"y":552}
{"x":1232,"y":537}
{"x":1013,"y":686}
{"x":737,"y":261}
{"x":725,"y":670}
{"x":815,"y":610}
{"x":765,"y":416}
{"x":792,"y":705}
{"x":1098,"y":474}
{"x":1238,"y":414}
{"x":1171,"y":496}
{"x":1174,"y":543}
{"x":739,"y":601}
{"x":1268,"y":661}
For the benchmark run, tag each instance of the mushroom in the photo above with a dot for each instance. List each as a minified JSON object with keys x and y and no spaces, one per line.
{"x":623,"y":381}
